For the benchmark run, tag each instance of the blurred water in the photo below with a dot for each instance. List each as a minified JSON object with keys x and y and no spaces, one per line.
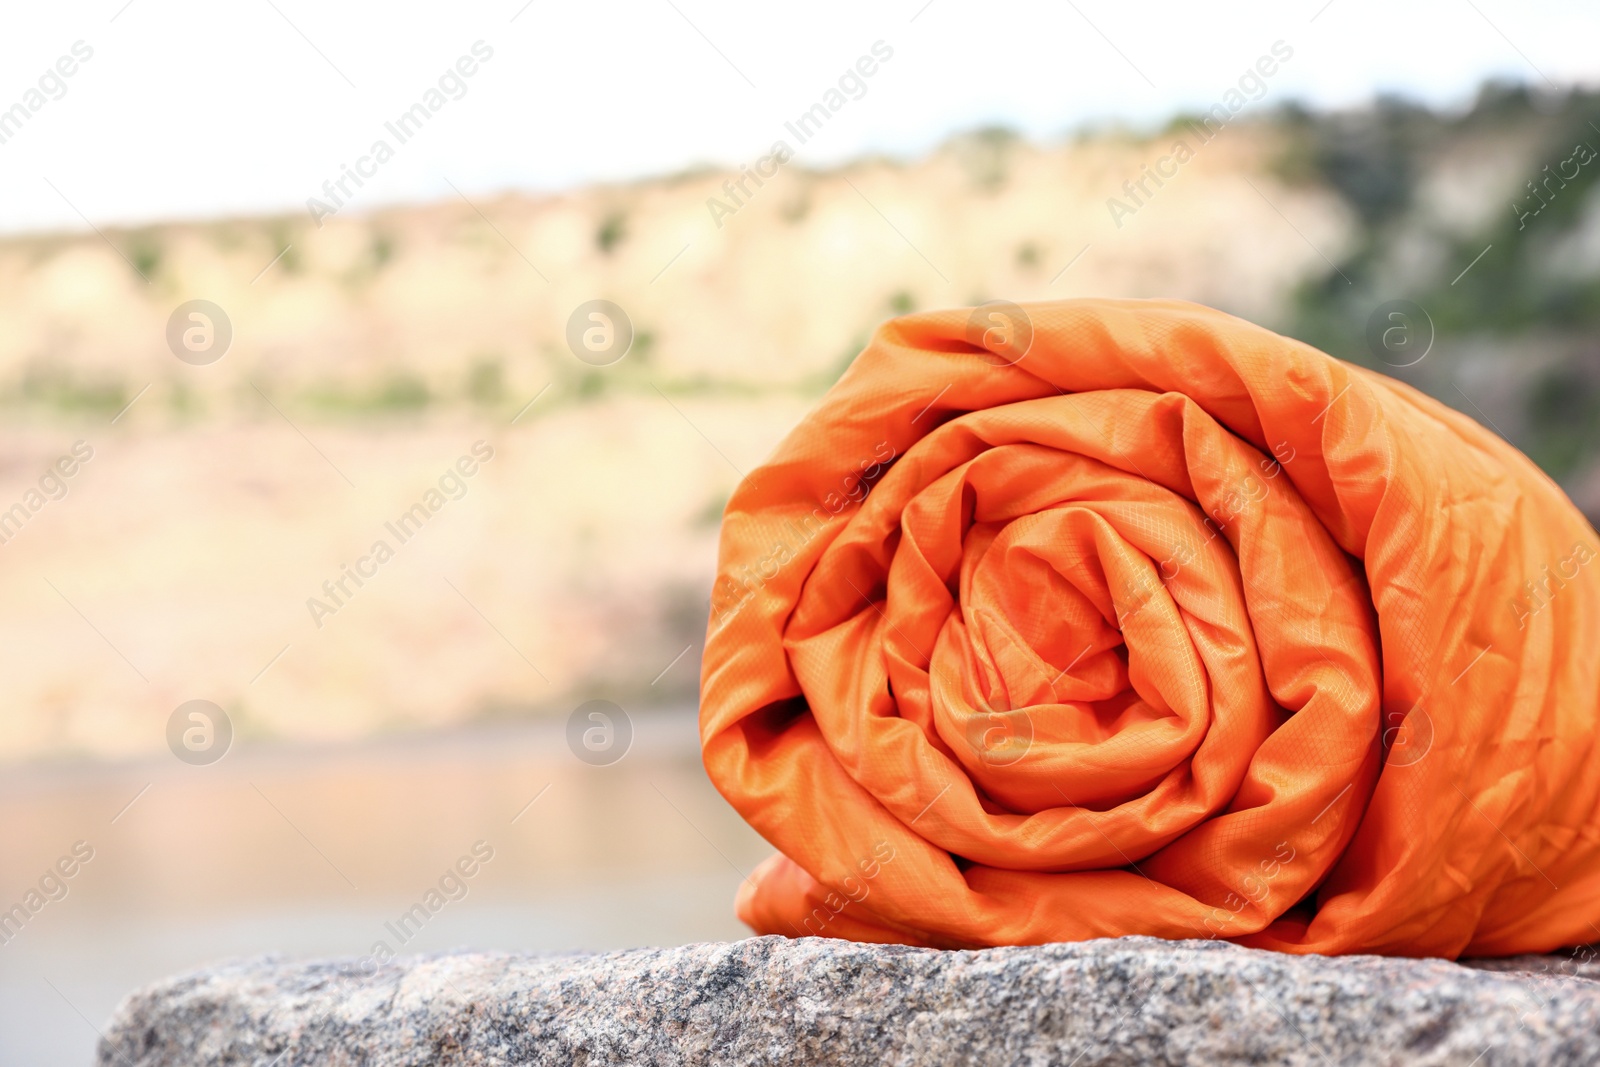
{"x":320,"y":852}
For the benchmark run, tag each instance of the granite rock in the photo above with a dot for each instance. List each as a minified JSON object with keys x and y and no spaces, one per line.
{"x":815,"y":1001}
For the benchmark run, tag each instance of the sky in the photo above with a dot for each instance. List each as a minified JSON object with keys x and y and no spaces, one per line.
{"x":193,"y":110}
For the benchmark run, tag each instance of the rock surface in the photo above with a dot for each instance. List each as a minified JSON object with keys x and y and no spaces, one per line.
{"x":774,"y":1001}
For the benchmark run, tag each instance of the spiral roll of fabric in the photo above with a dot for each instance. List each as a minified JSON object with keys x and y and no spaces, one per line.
{"x":1093,"y":618}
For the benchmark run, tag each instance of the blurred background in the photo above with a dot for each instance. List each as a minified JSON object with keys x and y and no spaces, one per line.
{"x":394,"y":219}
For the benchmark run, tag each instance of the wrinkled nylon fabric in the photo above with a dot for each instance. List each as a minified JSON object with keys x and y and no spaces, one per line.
{"x":1171,"y":626}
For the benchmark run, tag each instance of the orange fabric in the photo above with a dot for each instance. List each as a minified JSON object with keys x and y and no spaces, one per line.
{"x":1171,"y":626}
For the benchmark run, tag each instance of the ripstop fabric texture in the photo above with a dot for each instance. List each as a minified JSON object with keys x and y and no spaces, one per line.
{"x":1106,"y":617}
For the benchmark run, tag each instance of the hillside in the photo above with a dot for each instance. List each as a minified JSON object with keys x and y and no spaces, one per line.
{"x":370,"y":355}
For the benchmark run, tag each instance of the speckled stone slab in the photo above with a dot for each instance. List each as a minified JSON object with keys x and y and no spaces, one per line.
{"x":769,"y":1000}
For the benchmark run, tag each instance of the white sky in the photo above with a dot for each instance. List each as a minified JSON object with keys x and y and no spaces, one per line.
{"x":193,"y":109}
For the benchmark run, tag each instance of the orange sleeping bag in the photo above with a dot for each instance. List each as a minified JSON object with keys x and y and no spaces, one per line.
{"x":1106,"y":617}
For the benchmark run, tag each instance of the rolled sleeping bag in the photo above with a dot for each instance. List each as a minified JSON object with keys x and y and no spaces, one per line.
{"x":1104,"y":617}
